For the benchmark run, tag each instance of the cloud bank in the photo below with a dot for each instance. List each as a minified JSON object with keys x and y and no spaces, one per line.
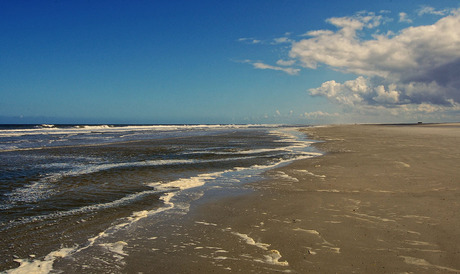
{"x":416,"y":69}
{"x":418,"y":65}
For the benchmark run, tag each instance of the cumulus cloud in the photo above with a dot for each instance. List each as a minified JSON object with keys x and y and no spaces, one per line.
{"x":389,"y":96}
{"x":360,"y":90}
{"x":412,"y":72}
{"x":339,"y":49}
{"x":418,"y":65}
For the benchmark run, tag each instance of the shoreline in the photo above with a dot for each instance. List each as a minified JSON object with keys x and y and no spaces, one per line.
{"x":217,"y":166}
{"x":383,"y":198}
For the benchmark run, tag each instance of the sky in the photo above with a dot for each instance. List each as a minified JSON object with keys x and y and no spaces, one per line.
{"x":239,"y":61}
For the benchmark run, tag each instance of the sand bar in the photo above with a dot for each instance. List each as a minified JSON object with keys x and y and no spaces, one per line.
{"x":383,"y":199}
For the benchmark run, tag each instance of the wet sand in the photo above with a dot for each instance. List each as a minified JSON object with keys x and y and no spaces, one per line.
{"x":384,"y":198}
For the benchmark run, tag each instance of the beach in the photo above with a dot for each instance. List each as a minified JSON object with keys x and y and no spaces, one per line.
{"x":79,"y":198}
{"x":363,"y":199}
{"x":383,"y":199}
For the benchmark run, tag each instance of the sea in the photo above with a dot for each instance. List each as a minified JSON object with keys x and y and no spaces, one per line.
{"x":71,"y":194}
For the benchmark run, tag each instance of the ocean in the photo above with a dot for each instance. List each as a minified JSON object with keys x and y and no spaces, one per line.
{"x":73,"y":196}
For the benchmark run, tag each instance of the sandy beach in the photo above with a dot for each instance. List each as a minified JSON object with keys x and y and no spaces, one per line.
{"x":383,"y":199}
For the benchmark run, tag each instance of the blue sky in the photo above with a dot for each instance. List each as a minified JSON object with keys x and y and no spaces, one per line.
{"x":228,"y":61}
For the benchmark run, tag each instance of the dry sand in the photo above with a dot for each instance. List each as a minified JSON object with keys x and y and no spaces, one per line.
{"x":382,"y":199}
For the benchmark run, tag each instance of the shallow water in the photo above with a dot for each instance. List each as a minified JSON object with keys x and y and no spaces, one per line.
{"x":65,"y":190}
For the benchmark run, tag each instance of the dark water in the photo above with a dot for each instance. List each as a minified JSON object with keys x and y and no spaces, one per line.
{"x":63,"y":188}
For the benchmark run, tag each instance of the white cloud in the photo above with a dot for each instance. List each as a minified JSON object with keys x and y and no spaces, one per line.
{"x":403,"y":17}
{"x":430,"y":10}
{"x":286,"y":69}
{"x":340,"y":49}
{"x":250,"y":40}
{"x":386,"y":97}
{"x":411,"y":73}
{"x":282,"y":40}
{"x":260,"y":65}
{"x":427,"y":108}
{"x":350,"y":24}
{"x":320,"y":115}
{"x":285,"y":62}
{"x":418,"y":65}
{"x":318,"y":33}
{"x":349,"y":93}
